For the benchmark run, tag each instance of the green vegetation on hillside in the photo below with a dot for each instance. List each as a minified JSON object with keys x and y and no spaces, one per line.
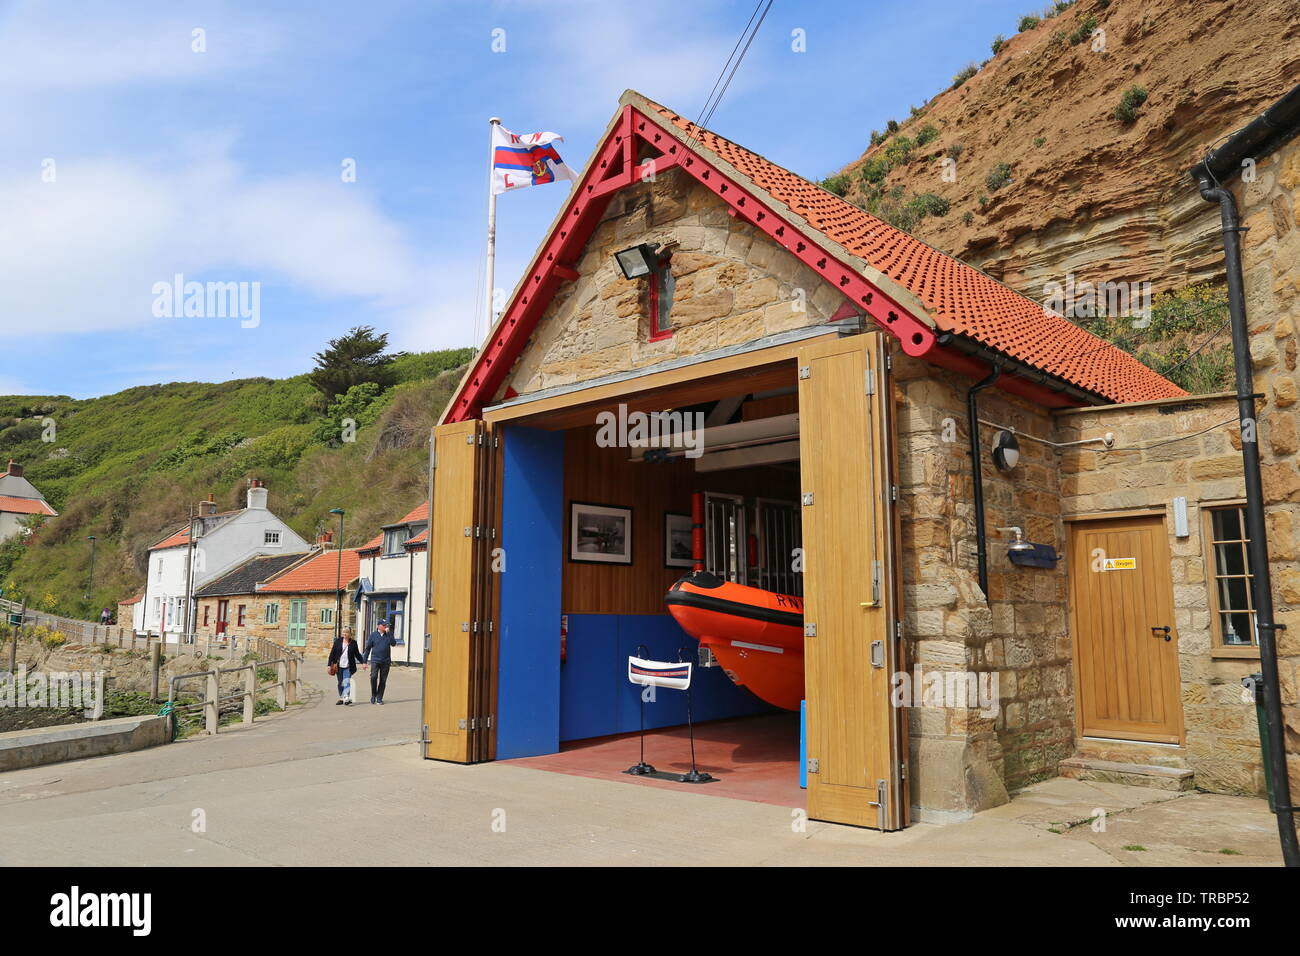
{"x":1187,"y":340}
{"x":127,"y":467}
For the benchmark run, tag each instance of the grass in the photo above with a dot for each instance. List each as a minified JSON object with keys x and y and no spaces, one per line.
{"x":970,"y":70}
{"x":839,"y":185}
{"x":999,"y":176}
{"x":1134,"y":848}
{"x":1130,"y":103}
{"x":1187,"y":340}
{"x":1083,"y":30}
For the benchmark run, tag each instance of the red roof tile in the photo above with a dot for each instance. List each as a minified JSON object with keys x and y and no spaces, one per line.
{"x":418,"y":513}
{"x":174,"y":539}
{"x":25,"y":506}
{"x":958,"y":297}
{"x":320,"y":573}
{"x":134,"y":600}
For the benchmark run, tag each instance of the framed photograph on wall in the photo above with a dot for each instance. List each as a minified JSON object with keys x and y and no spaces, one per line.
{"x":601,"y":534}
{"x":677,"y":540}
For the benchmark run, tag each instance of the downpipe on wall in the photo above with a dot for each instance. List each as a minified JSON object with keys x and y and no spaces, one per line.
{"x":1257,"y":548}
{"x":977,"y":475}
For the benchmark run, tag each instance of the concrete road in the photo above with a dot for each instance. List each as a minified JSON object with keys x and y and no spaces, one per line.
{"x":280,"y":793}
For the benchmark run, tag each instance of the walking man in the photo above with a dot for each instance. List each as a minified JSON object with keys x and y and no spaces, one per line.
{"x":379,"y":653}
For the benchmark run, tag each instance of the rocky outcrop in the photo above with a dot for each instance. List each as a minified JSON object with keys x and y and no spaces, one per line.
{"x":1089,"y":193}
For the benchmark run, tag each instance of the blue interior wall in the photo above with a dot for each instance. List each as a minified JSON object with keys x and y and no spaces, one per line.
{"x":541,"y":702}
{"x":532,"y":528}
{"x":596,"y":698}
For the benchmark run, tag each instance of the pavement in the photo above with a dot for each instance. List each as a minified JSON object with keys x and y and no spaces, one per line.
{"x":277,"y":794}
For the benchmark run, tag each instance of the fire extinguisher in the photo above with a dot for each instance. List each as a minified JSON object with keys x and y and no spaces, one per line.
{"x":564,"y":637}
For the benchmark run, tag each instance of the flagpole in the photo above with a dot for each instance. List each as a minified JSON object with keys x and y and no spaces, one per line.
{"x":493,"y":123}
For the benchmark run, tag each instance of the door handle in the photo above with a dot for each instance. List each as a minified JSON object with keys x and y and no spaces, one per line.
{"x":1161,"y":632}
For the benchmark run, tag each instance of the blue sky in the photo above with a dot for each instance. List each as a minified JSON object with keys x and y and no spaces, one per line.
{"x":225,"y":165}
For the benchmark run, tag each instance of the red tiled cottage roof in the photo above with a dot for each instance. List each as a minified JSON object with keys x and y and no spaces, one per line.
{"x":320,"y":573}
{"x":419,"y":513}
{"x":958,"y":297}
{"x":173,"y":540}
{"x":25,"y":506}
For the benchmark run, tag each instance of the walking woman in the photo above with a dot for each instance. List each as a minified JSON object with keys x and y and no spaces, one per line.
{"x":345,"y":655}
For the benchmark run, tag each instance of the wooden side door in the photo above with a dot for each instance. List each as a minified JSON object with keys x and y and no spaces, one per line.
{"x":297,"y":630}
{"x":223,"y":611}
{"x":851,"y":599}
{"x":460,"y":655}
{"x":1121,"y":601}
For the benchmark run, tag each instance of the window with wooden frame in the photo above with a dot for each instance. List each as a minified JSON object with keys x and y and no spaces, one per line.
{"x":239,"y":615}
{"x":272,"y":614}
{"x":1228,"y":564}
{"x":662,"y":285}
{"x":206,"y":609}
{"x":327,"y":615}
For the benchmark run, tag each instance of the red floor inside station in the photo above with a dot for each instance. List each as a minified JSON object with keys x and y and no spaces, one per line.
{"x":754,"y":758}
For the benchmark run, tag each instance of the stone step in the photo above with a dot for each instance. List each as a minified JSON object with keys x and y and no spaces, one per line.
{"x":1132,"y":774}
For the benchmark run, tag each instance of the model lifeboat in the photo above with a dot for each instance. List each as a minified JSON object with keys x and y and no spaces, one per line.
{"x":756,"y":635}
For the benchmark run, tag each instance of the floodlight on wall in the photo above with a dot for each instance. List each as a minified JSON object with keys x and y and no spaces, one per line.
{"x":638,"y":261}
{"x":1006,"y":451}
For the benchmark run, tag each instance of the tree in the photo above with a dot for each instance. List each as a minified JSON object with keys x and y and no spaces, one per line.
{"x":353,"y":359}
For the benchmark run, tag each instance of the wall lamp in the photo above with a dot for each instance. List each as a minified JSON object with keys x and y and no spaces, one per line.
{"x":1006,"y":451}
{"x":638,"y":261}
{"x":1020,"y":544}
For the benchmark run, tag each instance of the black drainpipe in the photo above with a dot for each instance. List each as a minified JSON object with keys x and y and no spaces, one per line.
{"x":1261,"y":583}
{"x":977,"y":475}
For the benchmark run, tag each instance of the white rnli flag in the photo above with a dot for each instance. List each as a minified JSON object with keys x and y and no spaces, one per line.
{"x":526,"y":159}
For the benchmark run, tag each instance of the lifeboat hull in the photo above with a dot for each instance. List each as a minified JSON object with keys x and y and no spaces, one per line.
{"x":756,"y":635}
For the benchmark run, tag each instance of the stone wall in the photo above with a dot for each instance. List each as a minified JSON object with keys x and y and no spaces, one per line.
{"x":1163,"y":450}
{"x":1270,"y":210}
{"x":733,"y":285}
{"x":962,"y":761}
{"x":320,"y":636}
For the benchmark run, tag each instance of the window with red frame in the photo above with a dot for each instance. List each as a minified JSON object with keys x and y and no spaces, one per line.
{"x":239,"y":618}
{"x":662,"y":285}
{"x":206,"y":609}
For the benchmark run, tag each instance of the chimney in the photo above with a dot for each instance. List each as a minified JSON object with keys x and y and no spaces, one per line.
{"x":208,"y":507}
{"x":325,"y":539}
{"x":256,"y":495}
{"x":15,"y":469}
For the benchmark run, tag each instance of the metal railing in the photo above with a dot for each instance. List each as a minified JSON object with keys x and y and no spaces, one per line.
{"x":286,"y":687}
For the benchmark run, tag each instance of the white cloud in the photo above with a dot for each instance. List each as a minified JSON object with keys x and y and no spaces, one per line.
{"x":88,"y":247}
{"x":67,"y":46}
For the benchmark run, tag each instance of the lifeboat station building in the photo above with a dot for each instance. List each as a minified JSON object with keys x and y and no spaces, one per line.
{"x":1008,"y":549}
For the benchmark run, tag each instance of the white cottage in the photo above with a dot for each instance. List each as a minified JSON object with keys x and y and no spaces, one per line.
{"x":394,"y":571}
{"x":196,"y":553}
{"x":19,"y":500}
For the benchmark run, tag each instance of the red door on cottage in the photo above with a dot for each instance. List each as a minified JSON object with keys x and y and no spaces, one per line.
{"x":223,"y":609}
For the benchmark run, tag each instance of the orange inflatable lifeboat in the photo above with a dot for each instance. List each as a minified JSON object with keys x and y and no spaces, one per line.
{"x":756,"y":635}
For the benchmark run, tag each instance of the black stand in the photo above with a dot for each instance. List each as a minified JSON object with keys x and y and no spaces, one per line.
{"x":642,"y":768}
{"x":695,"y":776}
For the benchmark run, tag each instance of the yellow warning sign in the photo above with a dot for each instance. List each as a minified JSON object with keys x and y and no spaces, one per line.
{"x":1120,"y":564}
